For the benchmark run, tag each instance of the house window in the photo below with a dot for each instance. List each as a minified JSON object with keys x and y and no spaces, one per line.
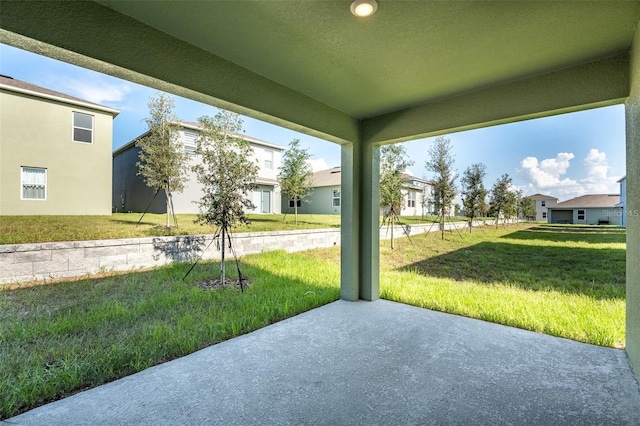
{"x":268,"y":159}
{"x":33,"y":184}
{"x":336,"y":198}
{"x":580,"y":214}
{"x":411,"y":199}
{"x":543,"y":203}
{"x":82,"y":127}
{"x":190,"y":143}
{"x":544,"y":215}
{"x":292,"y":201}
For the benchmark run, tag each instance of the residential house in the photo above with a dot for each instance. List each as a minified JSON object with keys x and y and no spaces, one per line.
{"x":592,"y":209}
{"x":623,"y":201}
{"x":542,"y":203}
{"x":131,"y":194}
{"x":55,"y":152}
{"x":325,"y":196}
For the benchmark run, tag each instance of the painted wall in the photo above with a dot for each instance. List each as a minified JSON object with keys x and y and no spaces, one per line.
{"x":320,"y":202}
{"x":592,"y":216}
{"x":542,"y":211}
{"x":633,"y":206}
{"x":38,"y":133}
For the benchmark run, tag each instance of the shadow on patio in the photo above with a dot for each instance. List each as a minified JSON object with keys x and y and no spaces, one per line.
{"x":369,"y":363}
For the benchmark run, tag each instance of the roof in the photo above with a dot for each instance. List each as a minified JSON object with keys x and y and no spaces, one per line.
{"x":589,"y":201}
{"x":621,"y":179}
{"x":196,"y":126}
{"x":328,"y":177}
{"x":332,"y":176}
{"x":19,"y":86}
{"x":541,"y":197}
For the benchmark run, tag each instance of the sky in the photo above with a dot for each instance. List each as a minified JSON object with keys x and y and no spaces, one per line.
{"x":563,"y":156}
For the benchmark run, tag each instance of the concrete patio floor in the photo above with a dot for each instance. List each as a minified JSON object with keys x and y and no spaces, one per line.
{"x":369,"y":363}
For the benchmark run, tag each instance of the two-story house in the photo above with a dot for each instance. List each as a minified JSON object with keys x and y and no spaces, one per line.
{"x":542,"y":203}
{"x":131,"y":194}
{"x":325,"y":195}
{"x":55,"y":152}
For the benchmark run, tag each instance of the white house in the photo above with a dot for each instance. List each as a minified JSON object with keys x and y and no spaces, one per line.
{"x":542,"y":203}
{"x":131,"y":194}
{"x":592,"y":209}
{"x":325,"y":196}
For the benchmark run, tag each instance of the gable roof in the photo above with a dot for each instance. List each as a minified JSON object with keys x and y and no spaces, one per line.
{"x":196,"y":126}
{"x":332,"y":177}
{"x":19,"y":86}
{"x":541,"y":197}
{"x":590,"y":200}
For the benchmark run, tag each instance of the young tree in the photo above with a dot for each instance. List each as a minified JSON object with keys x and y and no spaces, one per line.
{"x":227,"y":174}
{"x":393,"y":163}
{"x":163,"y":161}
{"x":500,"y":196}
{"x":473,"y":191}
{"x":528,"y":208}
{"x":295,"y":174}
{"x":441,"y":163}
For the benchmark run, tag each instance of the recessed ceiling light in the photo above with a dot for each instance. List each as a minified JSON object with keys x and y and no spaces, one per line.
{"x":362,"y":8}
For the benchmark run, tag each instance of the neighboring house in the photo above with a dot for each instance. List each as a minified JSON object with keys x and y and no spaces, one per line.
{"x":325,"y":196}
{"x":591,"y":209}
{"x":623,"y":201}
{"x":542,"y":203}
{"x":131,"y":194}
{"x":55,"y":152}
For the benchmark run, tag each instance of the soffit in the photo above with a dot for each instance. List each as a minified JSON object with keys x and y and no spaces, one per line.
{"x":407,"y":54}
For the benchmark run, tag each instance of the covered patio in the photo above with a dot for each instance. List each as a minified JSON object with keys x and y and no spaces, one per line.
{"x":412,"y":70}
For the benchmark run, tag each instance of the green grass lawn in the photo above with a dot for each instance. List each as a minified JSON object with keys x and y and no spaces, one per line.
{"x":40,"y":229}
{"x":57,"y":339}
{"x":37,"y":229}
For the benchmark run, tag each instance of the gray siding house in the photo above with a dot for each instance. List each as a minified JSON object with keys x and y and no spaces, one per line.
{"x":325,"y":197}
{"x":131,"y":194}
{"x":593,"y":209}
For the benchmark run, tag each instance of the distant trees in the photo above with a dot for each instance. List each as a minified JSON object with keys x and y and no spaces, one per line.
{"x":227,"y":174}
{"x":473,"y":191}
{"x":528,"y":208}
{"x":501,"y":197}
{"x":393,"y":163}
{"x":295,"y":174}
{"x":163,"y":161}
{"x":444,"y":189}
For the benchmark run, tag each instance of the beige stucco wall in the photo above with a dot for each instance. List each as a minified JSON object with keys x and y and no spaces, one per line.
{"x":35,"y":132}
{"x":633,"y":205}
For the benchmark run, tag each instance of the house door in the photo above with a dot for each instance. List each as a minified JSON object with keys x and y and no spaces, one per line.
{"x":266,"y":202}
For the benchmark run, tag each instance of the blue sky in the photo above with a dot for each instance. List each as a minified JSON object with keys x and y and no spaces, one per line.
{"x":564,"y":156}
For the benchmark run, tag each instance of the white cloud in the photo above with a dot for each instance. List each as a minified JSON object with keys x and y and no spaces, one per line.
{"x":318,"y":164}
{"x":547,"y":176}
{"x":99,"y":92}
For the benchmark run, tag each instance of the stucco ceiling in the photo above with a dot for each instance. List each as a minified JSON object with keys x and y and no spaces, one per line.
{"x":315,"y":67}
{"x":408,"y":53}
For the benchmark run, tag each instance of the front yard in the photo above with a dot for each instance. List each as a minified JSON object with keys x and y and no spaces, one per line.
{"x":60,"y":338}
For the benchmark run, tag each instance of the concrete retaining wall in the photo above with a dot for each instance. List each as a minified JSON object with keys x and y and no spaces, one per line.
{"x":43,"y":261}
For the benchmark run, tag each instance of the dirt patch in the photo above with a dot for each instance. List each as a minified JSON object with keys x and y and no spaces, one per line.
{"x":216,"y":284}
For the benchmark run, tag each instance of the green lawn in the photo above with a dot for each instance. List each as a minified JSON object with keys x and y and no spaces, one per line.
{"x":36,"y":229}
{"x":59,"y":338}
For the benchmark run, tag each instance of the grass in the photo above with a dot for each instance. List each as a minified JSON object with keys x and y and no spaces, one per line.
{"x":61,"y":338}
{"x":567,"y":283}
{"x":37,"y":229}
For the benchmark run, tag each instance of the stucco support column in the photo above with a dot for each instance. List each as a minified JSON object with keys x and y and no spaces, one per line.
{"x":360,"y":253}
{"x":633,"y":209}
